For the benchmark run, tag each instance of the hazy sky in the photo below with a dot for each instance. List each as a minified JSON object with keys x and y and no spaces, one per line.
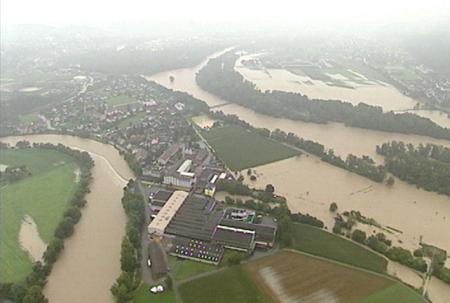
{"x":103,"y":12}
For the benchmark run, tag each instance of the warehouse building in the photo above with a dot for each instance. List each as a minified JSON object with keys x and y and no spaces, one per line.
{"x":200,"y":228}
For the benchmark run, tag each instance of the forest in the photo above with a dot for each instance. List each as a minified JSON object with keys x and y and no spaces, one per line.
{"x":426,"y":166}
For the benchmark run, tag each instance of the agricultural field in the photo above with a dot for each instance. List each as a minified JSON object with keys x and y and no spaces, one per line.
{"x":43,"y":196}
{"x":143,"y":295}
{"x":293,"y":277}
{"x":182,"y":268}
{"x":120,"y":100}
{"x":321,"y":243}
{"x":232,"y":284}
{"x":240,"y":148}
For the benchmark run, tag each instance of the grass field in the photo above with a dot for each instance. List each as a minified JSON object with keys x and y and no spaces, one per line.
{"x":394,"y":294}
{"x":240,"y":148}
{"x":182,"y":269}
{"x":142,"y":295}
{"x":233,"y":284}
{"x":43,"y":196}
{"x":131,"y":120}
{"x":321,"y":243}
{"x":120,"y":100}
{"x":293,"y":277}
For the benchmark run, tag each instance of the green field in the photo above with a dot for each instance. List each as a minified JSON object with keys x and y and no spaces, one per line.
{"x":120,"y":100}
{"x":321,"y":243}
{"x":394,"y":294}
{"x":233,"y":284}
{"x":131,"y":120}
{"x":142,"y":295}
{"x":240,"y":148}
{"x":182,"y":268}
{"x":43,"y":196}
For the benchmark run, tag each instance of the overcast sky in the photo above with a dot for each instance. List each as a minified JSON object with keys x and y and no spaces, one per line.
{"x":105,"y":12}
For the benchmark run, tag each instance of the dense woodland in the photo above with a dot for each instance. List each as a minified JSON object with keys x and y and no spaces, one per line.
{"x":220,"y":78}
{"x":427,"y":166}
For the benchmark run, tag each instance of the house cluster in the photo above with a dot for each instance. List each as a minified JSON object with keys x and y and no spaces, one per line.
{"x":200,"y":228}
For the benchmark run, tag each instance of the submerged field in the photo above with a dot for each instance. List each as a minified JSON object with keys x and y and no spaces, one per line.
{"x":43,"y":197}
{"x":321,"y":243}
{"x":293,"y":277}
{"x":240,"y":148}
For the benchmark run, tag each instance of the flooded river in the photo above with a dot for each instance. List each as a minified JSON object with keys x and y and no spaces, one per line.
{"x":90,"y":262}
{"x":310,"y":185}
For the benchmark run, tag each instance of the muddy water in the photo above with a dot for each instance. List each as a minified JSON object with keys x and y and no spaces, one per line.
{"x":310,"y":185}
{"x":90,"y":262}
{"x":370,"y":92}
{"x":30,"y":240}
{"x":342,"y":139}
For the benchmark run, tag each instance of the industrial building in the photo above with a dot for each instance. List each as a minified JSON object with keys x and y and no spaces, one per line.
{"x":200,"y":228}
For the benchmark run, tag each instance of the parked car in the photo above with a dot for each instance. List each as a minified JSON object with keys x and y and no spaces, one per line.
{"x":149,"y":262}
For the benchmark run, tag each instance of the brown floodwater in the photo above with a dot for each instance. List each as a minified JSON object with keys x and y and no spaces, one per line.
{"x":30,"y":240}
{"x":374,"y":93}
{"x":90,"y":262}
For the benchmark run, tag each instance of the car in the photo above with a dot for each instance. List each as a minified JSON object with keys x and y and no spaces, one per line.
{"x":156,"y":289}
{"x":149,"y":262}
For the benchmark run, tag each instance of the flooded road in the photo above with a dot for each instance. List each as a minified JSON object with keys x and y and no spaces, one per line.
{"x":90,"y":261}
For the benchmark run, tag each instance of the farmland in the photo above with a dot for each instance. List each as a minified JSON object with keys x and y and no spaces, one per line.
{"x":293,"y":277}
{"x":240,"y":148}
{"x":43,"y":196}
{"x":233,"y":284}
{"x":321,"y":243}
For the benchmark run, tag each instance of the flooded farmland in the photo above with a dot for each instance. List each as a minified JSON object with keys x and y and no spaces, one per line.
{"x":90,"y":261}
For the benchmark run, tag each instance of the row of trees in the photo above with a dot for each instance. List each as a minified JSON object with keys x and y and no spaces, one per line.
{"x":220,"y":78}
{"x":30,"y":290}
{"x":130,"y":255}
{"x":427,"y":166}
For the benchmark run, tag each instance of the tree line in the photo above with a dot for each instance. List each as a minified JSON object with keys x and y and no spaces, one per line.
{"x":426,"y":166}
{"x":220,"y":78}
{"x":30,"y":290}
{"x":130,"y":254}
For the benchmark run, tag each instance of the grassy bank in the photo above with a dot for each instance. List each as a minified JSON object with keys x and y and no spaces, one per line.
{"x":321,"y":243}
{"x":182,"y":268}
{"x":143,"y":295}
{"x":233,"y":284}
{"x":43,"y":196}
{"x":240,"y":148}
